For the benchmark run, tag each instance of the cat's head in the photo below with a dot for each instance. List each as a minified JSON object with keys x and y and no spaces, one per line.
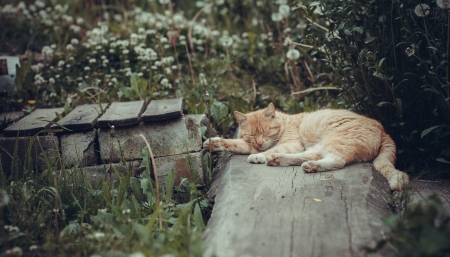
{"x":261,"y":128}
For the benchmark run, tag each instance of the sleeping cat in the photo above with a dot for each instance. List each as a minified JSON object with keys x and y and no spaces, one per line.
{"x":318,"y":141}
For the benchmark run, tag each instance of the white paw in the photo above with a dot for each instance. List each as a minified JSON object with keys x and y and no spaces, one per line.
{"x":398,"y":181}
{"x":215,"y":144}
{"x":256,"y":158}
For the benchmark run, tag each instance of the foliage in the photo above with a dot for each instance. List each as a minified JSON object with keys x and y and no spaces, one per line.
{"x":238,"y":51}
{"x":423,"y":229}
{"x":392,"y":62}
{"x":55,"y":212}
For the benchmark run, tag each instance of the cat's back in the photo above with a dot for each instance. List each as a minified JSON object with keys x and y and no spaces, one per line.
{"x":324,"y":120}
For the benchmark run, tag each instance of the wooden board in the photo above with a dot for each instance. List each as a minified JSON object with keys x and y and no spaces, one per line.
{"x":82,"y":117}
{"x":163,"y":110}
{"x":422,"y":189}
{"x":122,"y":114}
{"x":281,"y":211}
{"x":33,"y":123}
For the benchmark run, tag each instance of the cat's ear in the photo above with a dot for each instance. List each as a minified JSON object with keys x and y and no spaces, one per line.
{"x":240,"y":117}
{"x":270,"y":111}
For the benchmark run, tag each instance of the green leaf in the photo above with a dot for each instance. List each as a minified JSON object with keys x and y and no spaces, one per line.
{"x":428,"y":130}
{"x":198,"y":218}
{"x":169,"y":185}
{"x":442,"y":160}
{"x":134,"y":82}
{"x":122,"y":189}
{"x":369,"y":39}
{"x":358,"y":29}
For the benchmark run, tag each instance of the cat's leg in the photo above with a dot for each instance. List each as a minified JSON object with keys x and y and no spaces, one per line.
{"x":328,"y":162}
{"x":238,"y":146}
{"x":284,"y":148}
{"x":287,"y":159}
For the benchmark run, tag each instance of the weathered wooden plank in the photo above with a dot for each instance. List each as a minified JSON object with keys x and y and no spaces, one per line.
{"x":163,"y":110}
{"x":33,"y":123}
{"x":82,"y":117}
{"x":423,"y":189}
{"x":281,"y":211}
{"x":122,"y":114}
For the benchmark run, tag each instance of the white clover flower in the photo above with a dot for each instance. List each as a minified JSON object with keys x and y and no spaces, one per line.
{"x":75,"y":28}
{"x":128,"y":73}
{"x":69,"y":47}
{"x":67,"y":18}
{"x":61,"y":63}
{"x":16,"y":251}
{"x":150,"y":32}
{"x":422,"y":10}
{"x":133,"y":39}
{"x":99,"y":235}
{"x":104,"y":29}
{"x":284,"y":10}
{"x":32,"y":8}
{"x":276,"y":17}
{"x":163,"y":40}
{"x":164,"y":1}
{"x":33,"y":247}
{"x":137,"y":254}
{"x":92,"y":60}
{"x":39,"y":4}
{"x":125,"y":51}
{"x":87,"y":68}
{"x":226,"y":41}
{"x":293,"y":54}
{"x":74,"y":41}
{"x":38,"y":79}
{"x":22,"y":6}
{"x":47,"y":51}
{"x":51,"y":81}
{"x":36,"y":68}
{"x":443,"y":4}
{"x":114,"y":80}
{"x":168,"y":71}
{"x":409,"y":51}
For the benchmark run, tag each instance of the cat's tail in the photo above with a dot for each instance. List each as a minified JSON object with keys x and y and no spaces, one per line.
{"x":385,"y":161}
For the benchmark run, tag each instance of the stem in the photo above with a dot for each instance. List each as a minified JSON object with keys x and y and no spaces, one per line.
{"x":156,"y":178}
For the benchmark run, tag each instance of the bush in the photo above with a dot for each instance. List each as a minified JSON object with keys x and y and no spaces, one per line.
{"x":391,"y":59}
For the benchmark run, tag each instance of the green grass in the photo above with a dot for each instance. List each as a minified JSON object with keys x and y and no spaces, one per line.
{"x":58,"y":212}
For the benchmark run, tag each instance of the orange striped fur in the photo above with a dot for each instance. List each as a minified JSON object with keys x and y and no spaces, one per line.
{"x":318,"y":141}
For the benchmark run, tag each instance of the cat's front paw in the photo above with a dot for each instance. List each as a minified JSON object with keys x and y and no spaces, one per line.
{"x":215,"y":143}
{"x":309,"y":167}
{"x":276,"y":160}
{"x":256,"y":158}
{"x":398,"y":181}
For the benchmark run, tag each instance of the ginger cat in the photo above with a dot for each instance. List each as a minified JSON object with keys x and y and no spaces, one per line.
{"x":318,"y":141}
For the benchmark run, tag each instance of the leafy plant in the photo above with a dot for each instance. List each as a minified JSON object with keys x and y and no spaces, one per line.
{"x":423,"y":229}
{"x":392,"y":63}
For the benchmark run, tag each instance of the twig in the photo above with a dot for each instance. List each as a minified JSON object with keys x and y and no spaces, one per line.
{"x":156,"y":177}
{"x":315,"y":89}
{"x":192,"y":22}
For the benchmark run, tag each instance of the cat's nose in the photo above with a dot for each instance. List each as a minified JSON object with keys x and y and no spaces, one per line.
{"x":259,"y":142}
